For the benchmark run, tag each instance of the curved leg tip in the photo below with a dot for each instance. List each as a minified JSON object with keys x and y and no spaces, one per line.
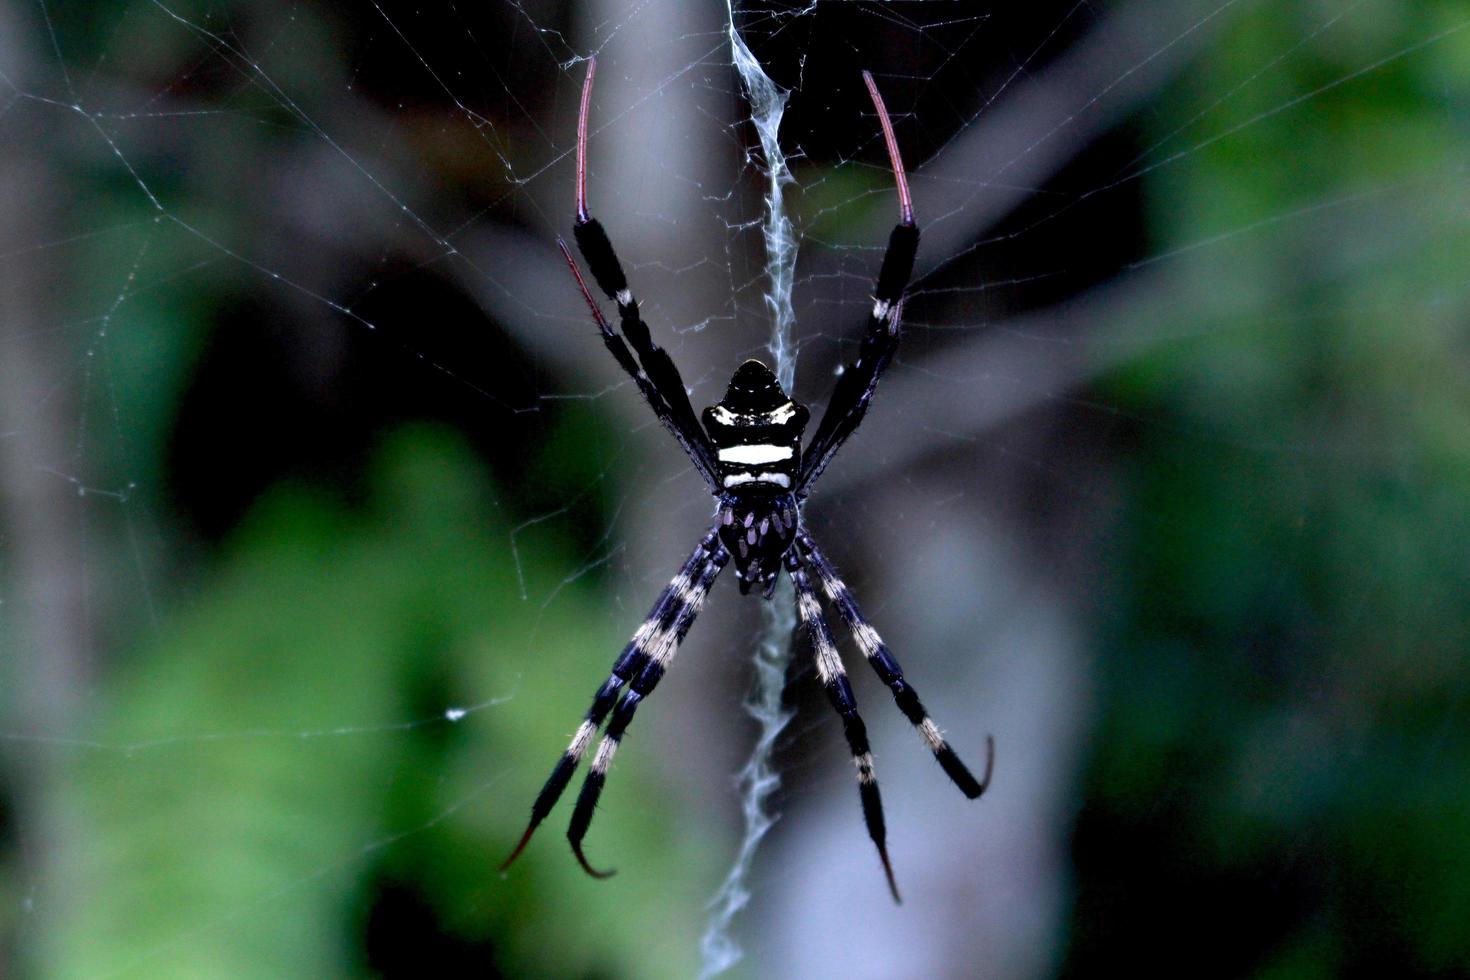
{"x":960,"y":775}
{"x":525,"y":839}
{"x":989,"y":763}
{"x":582,"y":860}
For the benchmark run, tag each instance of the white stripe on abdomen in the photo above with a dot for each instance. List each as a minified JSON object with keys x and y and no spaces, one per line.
{"x":779,"y":479}
{"x":756,"y":455}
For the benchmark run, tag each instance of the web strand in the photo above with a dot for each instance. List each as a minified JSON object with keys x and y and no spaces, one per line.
{"x":759,"y":779}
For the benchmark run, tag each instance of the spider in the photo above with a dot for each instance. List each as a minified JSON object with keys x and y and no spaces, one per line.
{"x":749,"y":452}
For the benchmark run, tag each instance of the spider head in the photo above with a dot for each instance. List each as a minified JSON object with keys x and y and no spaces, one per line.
{"x":753,"y":388}
{"x":756,"y":429}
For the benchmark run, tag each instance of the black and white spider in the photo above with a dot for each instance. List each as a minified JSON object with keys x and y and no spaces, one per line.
{"x":749,"y":452}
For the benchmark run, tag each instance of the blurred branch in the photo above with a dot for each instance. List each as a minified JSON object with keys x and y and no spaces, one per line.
{"x":42,"y":516}
{"x":1019,"y":365}
{"x":1045,"y":121}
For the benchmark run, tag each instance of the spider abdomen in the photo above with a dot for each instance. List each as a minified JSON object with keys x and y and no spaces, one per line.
{"x":757,"y":530}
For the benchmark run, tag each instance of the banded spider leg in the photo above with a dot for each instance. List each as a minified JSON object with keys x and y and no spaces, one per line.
{"x":839,"y":692}
{"x":854,"y":390}
{"x":881,"y":659}
{"x":639,"y":667}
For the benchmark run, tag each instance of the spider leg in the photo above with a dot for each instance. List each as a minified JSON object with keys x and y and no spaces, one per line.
{"x":655,"y":370}
{"x":854,"y":389}
{"x":620,"y":352}
{"x":668,"y":612}
{"x":839,"y":693}
{"x":886,"y":667}
{"x":659,"y":650}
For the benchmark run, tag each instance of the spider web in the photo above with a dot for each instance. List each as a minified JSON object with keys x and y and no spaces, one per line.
{"x":324,"y":512}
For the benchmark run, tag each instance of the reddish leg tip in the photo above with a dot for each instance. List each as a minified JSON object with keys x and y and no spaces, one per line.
{"x":525,"y":839}
{"x":582,"y":213}
{"x":582,"y":860}
{"x":905,"y":202}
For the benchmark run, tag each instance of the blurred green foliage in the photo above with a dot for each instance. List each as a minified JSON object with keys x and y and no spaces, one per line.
{"x":289,"y":783}
{"x":1281,"y":774}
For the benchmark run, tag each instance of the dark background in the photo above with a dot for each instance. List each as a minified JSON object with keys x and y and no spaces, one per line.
{"x":308,"y":445}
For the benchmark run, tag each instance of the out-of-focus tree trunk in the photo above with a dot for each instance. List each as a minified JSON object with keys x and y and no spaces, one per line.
{"x":41,"y":521}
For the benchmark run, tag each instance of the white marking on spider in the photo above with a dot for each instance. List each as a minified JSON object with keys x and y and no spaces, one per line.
{"x":931,"y":734}
{"x":625,"y":297}
{"x":756,"y":455}
{"x":582,"y":739}
{"x":864,"y":765}
{"x":779,"y":415}
{"x":645,"y":632}
{"x":784,"y":414}
{"x":867,"y":638}
{"x":881,"y":309}
{"x":829,"y":665}
{"x":779,"y":479}
{"x":664,"y":643}
{"x":679,"y":590}
{"x":602,"y":762}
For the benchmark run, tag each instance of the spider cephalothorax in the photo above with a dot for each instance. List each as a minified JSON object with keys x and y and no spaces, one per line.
{"x":749,"y":453}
